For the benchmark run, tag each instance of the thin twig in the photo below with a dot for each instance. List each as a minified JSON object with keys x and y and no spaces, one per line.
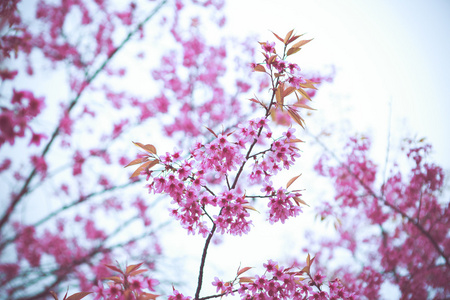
{"x":392,"y":206}
{"x":24,"y":189}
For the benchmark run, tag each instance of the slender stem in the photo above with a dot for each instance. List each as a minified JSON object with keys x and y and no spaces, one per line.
{"x":216,"y":296}
{"x":202,"y":264}
{"x":233,"y":186}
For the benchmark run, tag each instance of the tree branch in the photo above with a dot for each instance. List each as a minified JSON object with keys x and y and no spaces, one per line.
{"x":392,"y":206}
{"x":24,"y":189}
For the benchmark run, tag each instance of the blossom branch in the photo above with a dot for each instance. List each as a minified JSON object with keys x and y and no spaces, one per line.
{"x":24,"y":190}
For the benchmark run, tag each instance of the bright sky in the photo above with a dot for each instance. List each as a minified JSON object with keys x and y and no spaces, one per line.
{"x":384,"y":51}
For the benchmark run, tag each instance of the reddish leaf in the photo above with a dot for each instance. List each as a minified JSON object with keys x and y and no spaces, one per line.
{"x":304,"y":94}
{"x":114,"y":268}
{"x":276,"y":35}
{"x":288,"y":91}
{"x":78,"y":296}
{"x":256,"y":101}
{"x":137,"y":272}
{"x":288,"y":36}
{"x":299,"y":280}
{"x":292,"y":50}
{"x":148,"y":148}
{"x":293,"y":38}
{"x":210,"y":130}
{"x":147,"y":296}
{"x":305,"y":270}
{"x":291,"y":181}
{"x":300,"y":201}
{"x":303,"y":106}
{"x":245,"y":279}
{"x":243,"y":270}
{"x":54,"y":295}
{"x":279,"y":95}
{"x":137,"y":161}
{"x":295,"y":141}
{"x":271,"y":59}
{"x":308,"y":85}
{"x":132,"y":268}
{"x":143,"y":167}
{"x":259,"y":68}
{"x":249,"y":207}
{"x":294,"y":115}
{"x":301,"y":43}
{"x":116,"y":279}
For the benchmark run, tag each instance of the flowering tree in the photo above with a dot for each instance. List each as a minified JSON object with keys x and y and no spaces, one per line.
{"x":228,"y":153}
{"x":212,"y":185}
{"x":70,"y":104}
{"x":402,"y":225}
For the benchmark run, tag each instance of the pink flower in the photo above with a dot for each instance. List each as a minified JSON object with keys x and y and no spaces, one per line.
{"x":268,"y":47}
{"x":40,"y":165}
{"x":36,"y":139}
{"x":218,"y":284}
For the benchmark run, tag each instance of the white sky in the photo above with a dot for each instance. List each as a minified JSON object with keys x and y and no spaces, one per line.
{"x":383,"y":51}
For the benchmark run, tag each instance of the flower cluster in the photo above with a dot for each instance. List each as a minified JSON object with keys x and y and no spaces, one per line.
{"x":279,"y":282}
{"x":402,"y":219}
{"x":14,"y":121}
{"x":128,"y":285}
{"x":189,"y":181}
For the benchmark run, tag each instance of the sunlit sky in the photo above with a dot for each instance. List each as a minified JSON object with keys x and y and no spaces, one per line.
{"x":384,"y":52}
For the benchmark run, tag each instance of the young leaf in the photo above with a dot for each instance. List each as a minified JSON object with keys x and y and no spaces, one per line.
{"x":245,"y":279}
{"x":304,"y":94}
{"x":132,"y":268}
{"x":271,"y":59}
{"x":116,"y":279}
{"x":293,"y":38}
{"x":210,"y":130}
{"x":145,"y":166}
{"x":288,"y":36}
{"x":137,"y":272}
{"x":148,"y":148}
{"x":299,"y":280}
{"x":54,"y":295}
{"x":250,"y":207}
{"x":114,"y":268}
{"x":305,"y":270}
{"x":300,"y":201}
{"x":295,"y":141}
{"x":303,"y":106}
{"x":308,"y":85}
{"x":137,"y":161}
{"x":288,"y":91}
{"x":243,"y":270}
{"x":276,"y":35}
{"x":147,"y":296}
{"x":78,"y":296}
{"x":301,"y":43}
{"x":292,"y":50}
{"x":295,"y":116}
{"x":259,"y":68}
{"x":279,"y":96}
{"x":292,"y":181}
